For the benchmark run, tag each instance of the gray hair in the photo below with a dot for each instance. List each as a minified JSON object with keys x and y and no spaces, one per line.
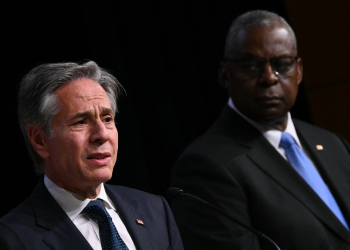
{"x":38,"y":103}
{"x":250,"y":19}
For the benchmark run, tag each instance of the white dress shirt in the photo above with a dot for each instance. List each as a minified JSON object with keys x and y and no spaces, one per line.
{"x":272,"y":135}
{"x":73,"y":204}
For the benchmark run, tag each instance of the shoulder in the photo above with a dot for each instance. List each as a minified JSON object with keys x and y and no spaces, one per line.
{"x":227,"y":138}
{"x":153,"y":210}
{"x":153,"y":207}
{"x":316,"y":133}
{"x":135,"y":197}
{"x":18,"y":227}
{"x":130,"y":192}
{"x":216,"y":149}
{"x":301,"y":125}
{"x":22,"y":212}
{"x":334,"y":146}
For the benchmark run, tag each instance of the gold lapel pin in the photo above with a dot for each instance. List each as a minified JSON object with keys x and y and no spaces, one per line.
{"x":319,"y":147}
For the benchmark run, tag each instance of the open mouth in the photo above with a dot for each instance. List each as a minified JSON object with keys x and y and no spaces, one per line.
{"x":99,"y":158}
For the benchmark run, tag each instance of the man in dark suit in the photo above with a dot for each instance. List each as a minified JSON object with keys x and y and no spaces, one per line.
{"x":242,"y":166}
{"x":66,"y":113}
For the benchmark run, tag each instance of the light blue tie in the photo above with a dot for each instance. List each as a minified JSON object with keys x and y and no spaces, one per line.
{"x":304,"y":167}
{"x":109,"y":236}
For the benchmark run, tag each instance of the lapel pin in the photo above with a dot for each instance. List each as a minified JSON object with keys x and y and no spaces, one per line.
{"x":319,"y":147}
{"x":140,"y":222}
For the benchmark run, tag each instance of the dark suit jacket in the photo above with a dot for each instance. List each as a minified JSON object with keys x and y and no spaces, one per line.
{"x":236,"y":169}
{"x":40,"y":223}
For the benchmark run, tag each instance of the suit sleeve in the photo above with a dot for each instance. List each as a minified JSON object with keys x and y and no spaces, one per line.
{"x":201,"y":227}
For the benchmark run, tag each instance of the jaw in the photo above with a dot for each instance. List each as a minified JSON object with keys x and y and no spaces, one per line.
{"x":85,"y":182}
{"x":278,"y":122}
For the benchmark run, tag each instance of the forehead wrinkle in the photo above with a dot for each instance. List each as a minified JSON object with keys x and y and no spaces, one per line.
{"x":278,"y":35}
{"x":83,"y":114}
{"x":80,"y":92}
{"x":91,"y":96}
{"x":91,"y":111}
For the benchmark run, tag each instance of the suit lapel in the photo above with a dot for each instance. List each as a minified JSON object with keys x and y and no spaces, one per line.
{"x":62,"y":233}
{"x":65,"y":235}
{"x":277,"y":168}
{"x":334,"y":172}
{"x":129,"y":215}
{"x":232,"y":125}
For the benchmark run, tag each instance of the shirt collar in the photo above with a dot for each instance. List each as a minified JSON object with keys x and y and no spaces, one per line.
{"x":73,"y":203}
{"x":271,"y":134}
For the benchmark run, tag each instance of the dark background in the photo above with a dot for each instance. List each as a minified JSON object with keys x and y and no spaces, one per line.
{"x":165,"y":54}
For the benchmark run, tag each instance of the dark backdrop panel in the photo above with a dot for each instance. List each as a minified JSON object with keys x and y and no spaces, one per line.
{"x":165,"y":54}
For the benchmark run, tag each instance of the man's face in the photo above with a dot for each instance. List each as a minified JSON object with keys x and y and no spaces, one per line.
{"x":265,"y":98}
{"x":83,"y":148}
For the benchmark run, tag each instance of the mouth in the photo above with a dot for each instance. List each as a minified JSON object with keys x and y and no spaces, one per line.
{"x":99,"y":158}
{"x":269,"y":100}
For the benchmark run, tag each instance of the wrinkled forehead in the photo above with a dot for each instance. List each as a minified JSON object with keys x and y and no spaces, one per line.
{"x":84,"y":89}
{"x":81,"y":95}
{"x":265,"y":40}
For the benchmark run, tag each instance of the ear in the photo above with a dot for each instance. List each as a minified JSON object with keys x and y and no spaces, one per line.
{"x":38,"y":140}
{"x":300,"y":70}
{"x":223,"y":75}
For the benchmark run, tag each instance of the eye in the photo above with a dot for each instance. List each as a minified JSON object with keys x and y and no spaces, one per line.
{"x":108,"y":119}
{"x":250,"y":64}
{"x":81,"y":122}
{"x":283,"y":64}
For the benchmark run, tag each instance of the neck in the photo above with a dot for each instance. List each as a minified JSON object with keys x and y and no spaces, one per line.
{"x":279,"y":123}
{"x":90,"y":190}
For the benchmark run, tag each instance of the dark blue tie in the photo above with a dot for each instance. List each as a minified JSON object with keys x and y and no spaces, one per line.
{"x":304,"y":167}
{"x":110,"y":239}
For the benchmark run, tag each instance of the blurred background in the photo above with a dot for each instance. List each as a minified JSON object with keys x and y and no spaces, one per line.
{"x":166,"y":55}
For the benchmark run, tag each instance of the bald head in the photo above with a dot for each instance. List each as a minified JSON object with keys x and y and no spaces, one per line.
{"x":254,"y":19}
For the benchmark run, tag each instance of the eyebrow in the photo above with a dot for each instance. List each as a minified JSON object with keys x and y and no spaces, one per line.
{"x":107,"y":110}
{"x":86,"y":113}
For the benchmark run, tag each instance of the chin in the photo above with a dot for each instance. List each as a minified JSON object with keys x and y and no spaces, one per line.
{"x":102,"y":175}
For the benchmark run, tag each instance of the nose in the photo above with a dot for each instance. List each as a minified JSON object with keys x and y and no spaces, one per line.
{"x":269,"y":76}
{"x":99,"y":133}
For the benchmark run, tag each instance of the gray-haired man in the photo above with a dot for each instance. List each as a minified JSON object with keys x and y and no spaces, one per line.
{"x":66,"y":113}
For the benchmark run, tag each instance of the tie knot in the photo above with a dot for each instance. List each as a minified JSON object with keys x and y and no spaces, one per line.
{"x":286,"y":140}
{"x":96,"y":210}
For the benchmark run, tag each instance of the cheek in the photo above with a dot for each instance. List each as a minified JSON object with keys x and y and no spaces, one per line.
{"x":242,"y":90}
{"x":291,"y":91}
{"x":74,"y":146}
{"x":114,"y":139}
